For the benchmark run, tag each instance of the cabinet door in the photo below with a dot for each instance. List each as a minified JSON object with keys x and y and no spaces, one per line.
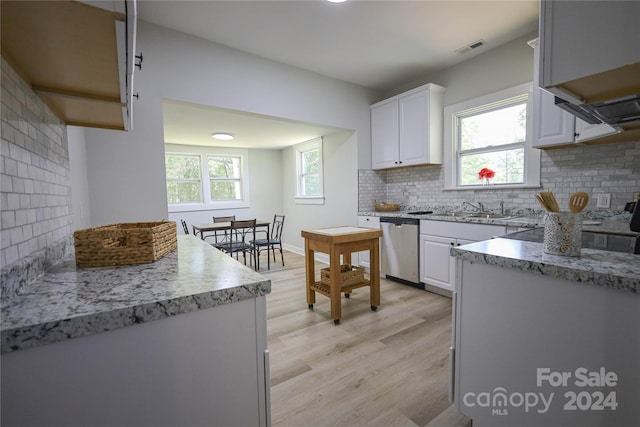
{"x":367,"y":222}
{"x":551,"y":125}
{"x":435,"y":261}
{"x":414,"y":129}
{"x":586,"y":131}
{"x":384,"y":135}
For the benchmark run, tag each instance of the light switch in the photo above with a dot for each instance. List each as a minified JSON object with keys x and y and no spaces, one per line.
{"x":604,"y":200}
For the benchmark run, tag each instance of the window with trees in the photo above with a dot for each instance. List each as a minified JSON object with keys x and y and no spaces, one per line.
{"x":309,"y":171}
{"x":206,"y":178}
{"x":183,"y":178}
{"x":491,"y":134}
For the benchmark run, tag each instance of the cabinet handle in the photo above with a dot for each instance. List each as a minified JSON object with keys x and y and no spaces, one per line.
{"x":452,"y":372}
{"x":452,"y":244}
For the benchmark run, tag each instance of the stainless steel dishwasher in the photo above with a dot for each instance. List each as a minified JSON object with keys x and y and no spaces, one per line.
{"x":400,"y":255}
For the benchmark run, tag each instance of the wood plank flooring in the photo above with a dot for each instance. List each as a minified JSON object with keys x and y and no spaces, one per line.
{"x":384,"y":368}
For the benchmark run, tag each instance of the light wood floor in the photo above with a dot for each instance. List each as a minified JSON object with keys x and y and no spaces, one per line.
{"x":384,"y":368}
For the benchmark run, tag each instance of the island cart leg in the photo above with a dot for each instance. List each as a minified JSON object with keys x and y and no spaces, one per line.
{"x":310,"y":273}
{"x":374,"y":274}
{"x":347,"y":260}
{"x":335,"y":284}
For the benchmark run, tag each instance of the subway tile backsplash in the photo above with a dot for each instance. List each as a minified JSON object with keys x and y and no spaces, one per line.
{"x":608,"y":168}
{"x":35,"y":196}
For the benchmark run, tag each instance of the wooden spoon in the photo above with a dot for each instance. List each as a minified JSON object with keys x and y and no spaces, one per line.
{"x":550,"y":201}
{"x":578,"y":201}
{"x":542,"y":203}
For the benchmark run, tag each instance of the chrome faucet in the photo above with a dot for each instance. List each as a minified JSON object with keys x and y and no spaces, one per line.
{"x":479,"y":208}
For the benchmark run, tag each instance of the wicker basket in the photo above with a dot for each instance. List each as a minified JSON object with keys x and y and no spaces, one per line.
{"x":349,"y":274}
{"x":387,"y":207}
{"x":124,"y":244}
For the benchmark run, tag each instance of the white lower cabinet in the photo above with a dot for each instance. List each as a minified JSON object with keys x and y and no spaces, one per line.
{"x":512,"y":326}
{"x":367,"y":222}
{"x":437,"y":266}
{"x":208,"y":367}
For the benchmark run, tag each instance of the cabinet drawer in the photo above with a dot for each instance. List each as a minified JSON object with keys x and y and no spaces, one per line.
{"x":458,"y":230}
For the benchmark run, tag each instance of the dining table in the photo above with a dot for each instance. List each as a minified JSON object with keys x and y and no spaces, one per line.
{"x":212,"y":227}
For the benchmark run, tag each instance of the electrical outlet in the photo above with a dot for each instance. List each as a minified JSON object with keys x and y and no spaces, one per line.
{"x":600,"y":240}
{"x":604,"y":201}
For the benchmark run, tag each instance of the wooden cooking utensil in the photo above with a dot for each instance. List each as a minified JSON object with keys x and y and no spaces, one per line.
{"x":578,"y":201}
{"x":550,"y":201}
{"x":542,"y":203}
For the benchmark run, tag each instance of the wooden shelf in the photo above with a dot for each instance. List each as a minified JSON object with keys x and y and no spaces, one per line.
{"x":326,"y":291}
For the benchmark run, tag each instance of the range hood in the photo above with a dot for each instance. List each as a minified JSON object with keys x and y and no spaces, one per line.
{"x":620,"y":113}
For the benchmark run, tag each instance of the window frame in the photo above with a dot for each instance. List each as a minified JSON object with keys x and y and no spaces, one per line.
{"x":487,"y":103}
{"x":203,"y":153}
{"x":299,"y":150}
{"x":199,"y":180}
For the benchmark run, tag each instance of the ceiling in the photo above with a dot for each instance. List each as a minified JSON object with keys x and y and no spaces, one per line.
{"x":381,"y":45}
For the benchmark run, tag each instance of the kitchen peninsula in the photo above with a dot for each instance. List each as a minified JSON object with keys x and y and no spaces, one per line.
{"x":180,"y":341}
{"x":522,"y":316}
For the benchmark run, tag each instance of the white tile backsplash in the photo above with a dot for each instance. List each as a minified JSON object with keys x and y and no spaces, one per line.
{"x":608,"y":168}
{"x":35,"y":194}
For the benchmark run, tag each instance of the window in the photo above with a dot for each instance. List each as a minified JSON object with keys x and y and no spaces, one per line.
{"x":309,"y":172}
{"x":494,"y":132}
{"x":225,"y":180}
{"x":183,"y":178}
{"x":202,"y":178}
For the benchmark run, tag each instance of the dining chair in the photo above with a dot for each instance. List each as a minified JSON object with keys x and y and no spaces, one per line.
{"x":241,"y":234}
{"x":184,"y":226}
{"x":270,"y":242}
{"x":222,"y":236}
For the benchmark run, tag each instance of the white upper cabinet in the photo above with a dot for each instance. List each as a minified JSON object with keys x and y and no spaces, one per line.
{"x":553,"y":126}
{"x":79,"y":57}
{"x":406,"y":130}
{"x":590,"y":50}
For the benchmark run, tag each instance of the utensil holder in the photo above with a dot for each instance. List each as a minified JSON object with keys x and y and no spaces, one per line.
{"x":563,"y":233}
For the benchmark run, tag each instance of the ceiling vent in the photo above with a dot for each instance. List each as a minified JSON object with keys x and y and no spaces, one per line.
{"x":470,"y":47}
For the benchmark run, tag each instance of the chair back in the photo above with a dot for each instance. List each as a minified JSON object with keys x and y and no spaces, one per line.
{"x":243,"y":229}
{"x":276,"y":228}
{"x":224,"y":218}
{"x":184,"y":226}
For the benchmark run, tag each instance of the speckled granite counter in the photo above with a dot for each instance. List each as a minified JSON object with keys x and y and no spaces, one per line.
{"x":602,"y":268}
{"x":68,"y":303}
{"x":604,"y":225}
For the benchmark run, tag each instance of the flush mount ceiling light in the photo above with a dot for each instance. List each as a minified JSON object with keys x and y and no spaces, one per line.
{"x":222,"y":135}
{"x":336,"y":1}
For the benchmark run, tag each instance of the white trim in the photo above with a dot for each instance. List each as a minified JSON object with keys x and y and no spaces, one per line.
{"x":203,"y":152}
{"x":532,"y":155}
{"x":309,"y":200}
{"x":316,"y":143}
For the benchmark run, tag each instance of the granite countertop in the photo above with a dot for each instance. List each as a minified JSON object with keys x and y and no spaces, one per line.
{"x":604,"y":225}
{"x":602,"y":268}
{"x":67,"y":302}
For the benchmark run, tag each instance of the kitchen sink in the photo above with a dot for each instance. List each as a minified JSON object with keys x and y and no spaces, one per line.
{"x":455,"y":214}
{"x":489,"y":215}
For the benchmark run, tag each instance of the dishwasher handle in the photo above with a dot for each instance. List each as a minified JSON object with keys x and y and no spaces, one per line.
{"x":398,"y":221}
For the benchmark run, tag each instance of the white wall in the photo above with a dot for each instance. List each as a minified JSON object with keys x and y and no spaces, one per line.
{"x":126,"y":169}
{"x":339,"y":152}
{"x":503,"y":67}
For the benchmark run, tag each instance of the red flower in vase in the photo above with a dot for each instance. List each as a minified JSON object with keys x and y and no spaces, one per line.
{"x":486,"y":173}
